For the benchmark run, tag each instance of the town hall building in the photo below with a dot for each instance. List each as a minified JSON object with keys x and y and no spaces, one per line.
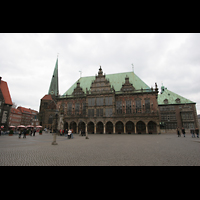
{"x":115,"y":104}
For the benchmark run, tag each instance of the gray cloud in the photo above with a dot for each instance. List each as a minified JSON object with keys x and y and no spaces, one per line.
{"x":27,"y":61}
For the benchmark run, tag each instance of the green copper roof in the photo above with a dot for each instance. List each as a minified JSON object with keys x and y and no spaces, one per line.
{"x":171,"y":97}
{"x":116,"y":80}
{"x":53,"y":89}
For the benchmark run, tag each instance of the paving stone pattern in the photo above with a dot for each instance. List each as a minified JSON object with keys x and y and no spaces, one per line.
{"x":98,"y":150}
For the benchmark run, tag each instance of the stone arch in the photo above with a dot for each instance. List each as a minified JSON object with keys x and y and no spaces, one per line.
{"x":152,"y":127}
{"x":81,"y":126}
{"x":73,"y":126}
{"x":141,"y":127}
{"x":119,"y":127}
{"x":90,"y":127}
{"x":130,"y":127}
{"x":109,"y":127}
{"x":66,"y":126}
{"x":99,"y":127}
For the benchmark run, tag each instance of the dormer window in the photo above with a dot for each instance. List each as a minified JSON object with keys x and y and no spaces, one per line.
{"x":178,"y":100}
{"x":166,"y":101}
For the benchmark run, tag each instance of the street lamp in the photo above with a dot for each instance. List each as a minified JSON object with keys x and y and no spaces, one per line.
{"x":54,"y":136}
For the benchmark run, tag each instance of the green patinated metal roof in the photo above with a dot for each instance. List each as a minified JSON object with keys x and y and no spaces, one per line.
{"x":171,"y":97}
{"x":53,"y":88}
{"x":116,"y":80}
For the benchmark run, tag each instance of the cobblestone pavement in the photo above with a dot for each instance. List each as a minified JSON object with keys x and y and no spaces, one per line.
{"x":109,"y":150}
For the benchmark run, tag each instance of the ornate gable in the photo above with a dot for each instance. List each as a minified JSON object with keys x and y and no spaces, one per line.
{"x":78,"y":90}
{"x":100,"y":84}
{"x":127,"y":86}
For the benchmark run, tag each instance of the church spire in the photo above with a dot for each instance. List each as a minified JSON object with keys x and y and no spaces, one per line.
{"x":53,"y":89}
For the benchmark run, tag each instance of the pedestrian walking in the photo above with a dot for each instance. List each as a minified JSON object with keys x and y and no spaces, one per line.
{"x":178,"y":132}
{"x":192,"y":132}
{"x":20,"y":133}
{"x":31,"y":132}
{"x":24,"y":133}
{"x":69,"y":134}
{"x":66,"y":132}
{"x":197,"y":132}
{"x":82,"y":132}
{"x":34,"y":132}
{"x":183,"y":131}
{"x":72,"y":131}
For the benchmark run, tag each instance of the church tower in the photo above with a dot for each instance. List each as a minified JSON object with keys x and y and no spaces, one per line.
{"x":53,"y":89}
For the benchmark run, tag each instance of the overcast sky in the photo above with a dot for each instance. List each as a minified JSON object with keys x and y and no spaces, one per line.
{"x":27,"y":61}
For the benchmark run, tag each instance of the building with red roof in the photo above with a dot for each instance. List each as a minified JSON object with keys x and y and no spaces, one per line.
{"x":15,"y":117}
{"x":23,"y":116}
{"x":5,"y":104}
{"x":28,"y":115}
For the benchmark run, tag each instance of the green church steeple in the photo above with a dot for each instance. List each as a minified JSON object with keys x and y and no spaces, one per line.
{"x":53,"y":89}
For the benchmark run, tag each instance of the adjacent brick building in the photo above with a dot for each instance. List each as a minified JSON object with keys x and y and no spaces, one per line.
{"x":176,"y":111}
{"x":23,"y":116}
{"x":15,"y":117}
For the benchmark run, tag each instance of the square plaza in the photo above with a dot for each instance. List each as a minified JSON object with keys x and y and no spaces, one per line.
{"x":100,"y":150}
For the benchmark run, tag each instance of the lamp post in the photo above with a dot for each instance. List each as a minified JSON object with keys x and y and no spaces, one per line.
{"x":54,"y":136}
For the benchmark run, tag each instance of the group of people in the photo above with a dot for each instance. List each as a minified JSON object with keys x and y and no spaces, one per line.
{"x":192,"y":131}
{"x":68,"y":133}
{"x":26,"y":131}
